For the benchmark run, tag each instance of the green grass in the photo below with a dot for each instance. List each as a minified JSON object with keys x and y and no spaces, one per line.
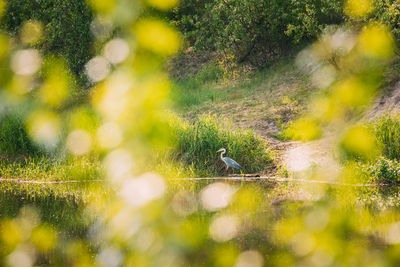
{"x":387,"y":131}
{"x":264,"y":100}
{"x":51,"y":169}
{"x":209,"y":82}
{"x":14,"y":139}
{"x":191,"y":91}
{"x":192,"y":154}
{"x":385,"y":166}
{"x":196,"y":145}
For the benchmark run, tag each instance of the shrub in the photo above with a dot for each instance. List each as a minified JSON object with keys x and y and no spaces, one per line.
{"x":189,"y":18}
{"x":386,"y":168}
{"x":263,"y":28}
{"x":382,"y":170}
{"x":259,"y":30}
{"x":388,"y":11}
{"x":387,"y":131}
{"x":196,"y":145}
{"x":66,"y":26}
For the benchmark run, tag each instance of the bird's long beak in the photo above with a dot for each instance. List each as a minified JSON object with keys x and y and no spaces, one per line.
{"x":219,"y":150}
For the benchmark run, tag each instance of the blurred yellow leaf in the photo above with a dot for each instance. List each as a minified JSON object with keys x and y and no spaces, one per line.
{"x":352,"y":92}
{"x":11,"y":233}
{"x":44,"y":238}
{"x":325,"y":109}
{"x":305,"y":129}
{"x":3,"y":5}
{"x":83,"y":118}
{"x":157,"y":36}
{"x":360,"y":142}
{"x":163,"y":4}
{"x":54,"y":90}
{"x":225,"y":255}
{"x":4,"y":46}
{"x":102,"y":6}
{"x":376,"y":41}
{"x":44,"y":127}
{"x":358,"y":8}
{"x":32,"y":32}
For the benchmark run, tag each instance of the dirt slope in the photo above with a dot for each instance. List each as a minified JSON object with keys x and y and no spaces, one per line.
{"x":389,"y":101}
{"x":300,"y":156}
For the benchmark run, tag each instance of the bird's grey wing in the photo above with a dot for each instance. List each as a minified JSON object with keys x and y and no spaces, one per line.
{"x":231,"y":163}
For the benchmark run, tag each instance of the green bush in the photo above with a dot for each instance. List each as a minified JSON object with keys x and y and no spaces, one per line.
{"x":189,"y":17}
{"x":382,"y":170}
{"x":263,"y":28}
{"x":386,"y":168}
{"x":387,"y":131}
{"x":388,"y":11}
{"x":259,"y":30}
{"x":14,"y":140}
{"x":66,"y":25}
{"x":196,"y":145}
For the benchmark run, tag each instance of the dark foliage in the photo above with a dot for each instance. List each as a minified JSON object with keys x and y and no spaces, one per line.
{"x":66,"y":25}
{"x":255,"y":30}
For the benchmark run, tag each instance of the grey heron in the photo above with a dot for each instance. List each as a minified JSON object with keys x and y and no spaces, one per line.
{"x":228,"y":161}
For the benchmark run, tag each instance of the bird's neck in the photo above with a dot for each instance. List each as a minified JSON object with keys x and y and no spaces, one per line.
{"x":222,"y":153}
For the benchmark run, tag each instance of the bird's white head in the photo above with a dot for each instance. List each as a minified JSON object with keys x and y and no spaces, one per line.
{"x":221,"y":150}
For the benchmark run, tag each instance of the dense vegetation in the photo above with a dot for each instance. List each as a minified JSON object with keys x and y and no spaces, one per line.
{"x":257,"y":28}
{"x":387,"y":131}
{"x":14,"y":139}
{"x":258,"y":31}
{"x":255,"y":31}
{"x":385,"y":167}
{"x":66,"y":26}
{"x":197,"y":143}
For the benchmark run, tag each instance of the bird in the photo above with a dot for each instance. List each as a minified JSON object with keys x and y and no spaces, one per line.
{"x":228,"y":161}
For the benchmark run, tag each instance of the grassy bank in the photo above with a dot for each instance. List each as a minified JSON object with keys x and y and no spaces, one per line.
{"x":264,"y":100}
{"x":384,"y":166}
{"x":192,"y":153}
{"x":232,"y":108}
{"x":196,"y":143}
